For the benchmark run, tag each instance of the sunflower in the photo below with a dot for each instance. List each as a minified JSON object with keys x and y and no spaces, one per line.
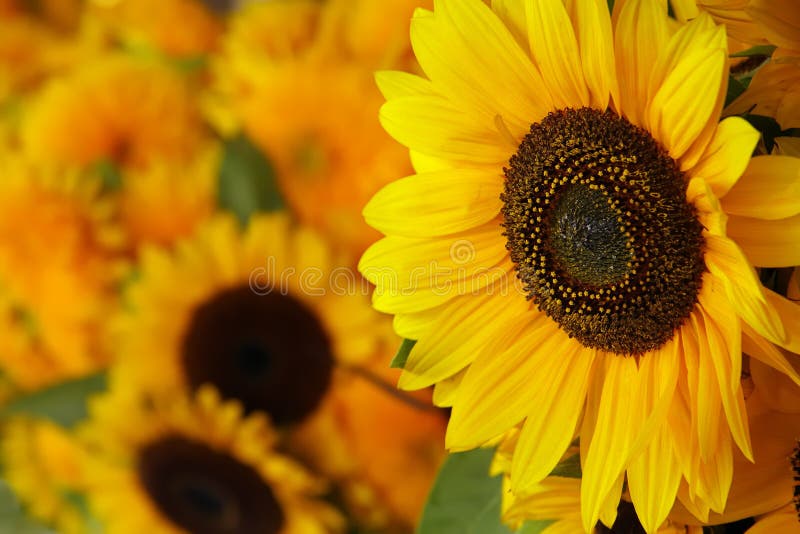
{"x":168,"y":200}
{"x":310,"y":104}
{"x":130,"y":98}
{"x":181,"y":28}
{"x":59,"y":263}
{"x":583,"y":153}
{"x":195,"y":464}
{"x":262,"y":316}
{"x":773,"y":92}
{"x":43,"y":464}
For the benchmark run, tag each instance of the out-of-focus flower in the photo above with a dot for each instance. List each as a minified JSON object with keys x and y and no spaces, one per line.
{"x":58,"y":267}
{"x":308,"y":99}
{"x":181,"y":28}
{"x":773,"y":92}
{"x":176,"y":464}
{"x":397,"y":446}
{"x":743,"y":32}
{"x":141,"y":111}
{"x":635,"y":296}
{"x":263,"y":316}
{"x":168,"y":200}
{"x":43,"y":464}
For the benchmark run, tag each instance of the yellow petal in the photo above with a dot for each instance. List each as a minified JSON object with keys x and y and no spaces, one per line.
{"x":397,"y":84}
{"x":459,"y":334}
{"x":727,"y":155}
{"x":555,"y":50}
{"x":726,"y":262}
{"x":754,"y":345}
{"x":613,"y":436}
{"x":557,"y":404}
{"x":433,"y":126}
{"x":596,"y":41}
{"x":789,"y":313}
{"x":683,"y":105}
{"x":768,"y":189}
{"x":495,"y":393}
{"x":436,"y":204}
{"x":512,"y":13}
{"x":640,"y":33}
{"x":653,"y":479}
{"x":767,"y":243}
{"x":444,"y":393}
{"x":471,"y":56}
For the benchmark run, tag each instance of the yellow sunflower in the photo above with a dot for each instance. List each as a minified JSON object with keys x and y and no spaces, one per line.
{"x":582,"y":153}
{"x":168,"y":200}
{"x":130,"y":98}
{"x":263,"y":316}
{"x":43,"y":464}
{"x":195,"y":464}
{"x":59,"y":263}
{"x":174,"y":27}
{"x":310,"y":103}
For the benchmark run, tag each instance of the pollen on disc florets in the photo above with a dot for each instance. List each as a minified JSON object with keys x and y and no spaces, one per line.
{"x":600,"y":231}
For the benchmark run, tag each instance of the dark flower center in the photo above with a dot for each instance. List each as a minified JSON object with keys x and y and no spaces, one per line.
{"x":268,"y":351}
{"x":600,"y":231}
{"x":627,"y":521}
{"x":205,"y":491}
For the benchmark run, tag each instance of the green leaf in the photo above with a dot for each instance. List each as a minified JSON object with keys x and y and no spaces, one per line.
{"x":759,"y":50}
{"x":464,"y":499}
{"x":63,"y":404}
{"x":12,"y":516}
{"x":769,"y":128}
{"x":109,"y":174}
{"x":735,"y":88}
{"x":246,"y":180}
{"x":399,"y":360}
{"x":534,"y":527}
{"x":571,"y":467}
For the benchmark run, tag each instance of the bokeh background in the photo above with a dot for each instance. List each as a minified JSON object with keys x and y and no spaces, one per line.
{"x":163,"y":164}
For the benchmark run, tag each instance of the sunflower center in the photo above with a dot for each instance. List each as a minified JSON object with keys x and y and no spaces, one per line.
{"x":268,"y":351}
{"x":600,"y":231}
{"x":205,"y":491}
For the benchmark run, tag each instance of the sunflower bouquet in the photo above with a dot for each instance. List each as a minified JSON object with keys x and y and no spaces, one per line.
{"x":578,"y":222}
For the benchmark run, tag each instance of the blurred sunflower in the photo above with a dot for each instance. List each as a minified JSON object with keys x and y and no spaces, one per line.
{"x":750,"y":22}
{"x":43,"y":464}
{"x":179,"y":464}
{"x":311,"y":106}
{"x":130,"y":98}
{"x":57,"y":245}
{"x":181,"y":28}
{"x":584,"y":155}
{"x":262,"y":316}
{"x":168,"y":200}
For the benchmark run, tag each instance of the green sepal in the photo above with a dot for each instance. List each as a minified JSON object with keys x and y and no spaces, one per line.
{"x":758,"y":50}
{"x":399,"y":360}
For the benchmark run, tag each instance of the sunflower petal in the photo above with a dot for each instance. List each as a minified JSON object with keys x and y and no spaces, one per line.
{"x":653,"y":479}
{"x":727,"y":155}
{"x":596,"y":41}
{"x":397,"y":84}
{"x":442,"y":202}
{"x":768,"y":189}
{"x":555,"y":50}
{"x":494,"y":393}
{"x":551,"y":425}
{"x":767,"y":243}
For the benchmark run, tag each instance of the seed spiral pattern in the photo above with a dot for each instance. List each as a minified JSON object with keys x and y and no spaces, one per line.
{"x":600,"y":231}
